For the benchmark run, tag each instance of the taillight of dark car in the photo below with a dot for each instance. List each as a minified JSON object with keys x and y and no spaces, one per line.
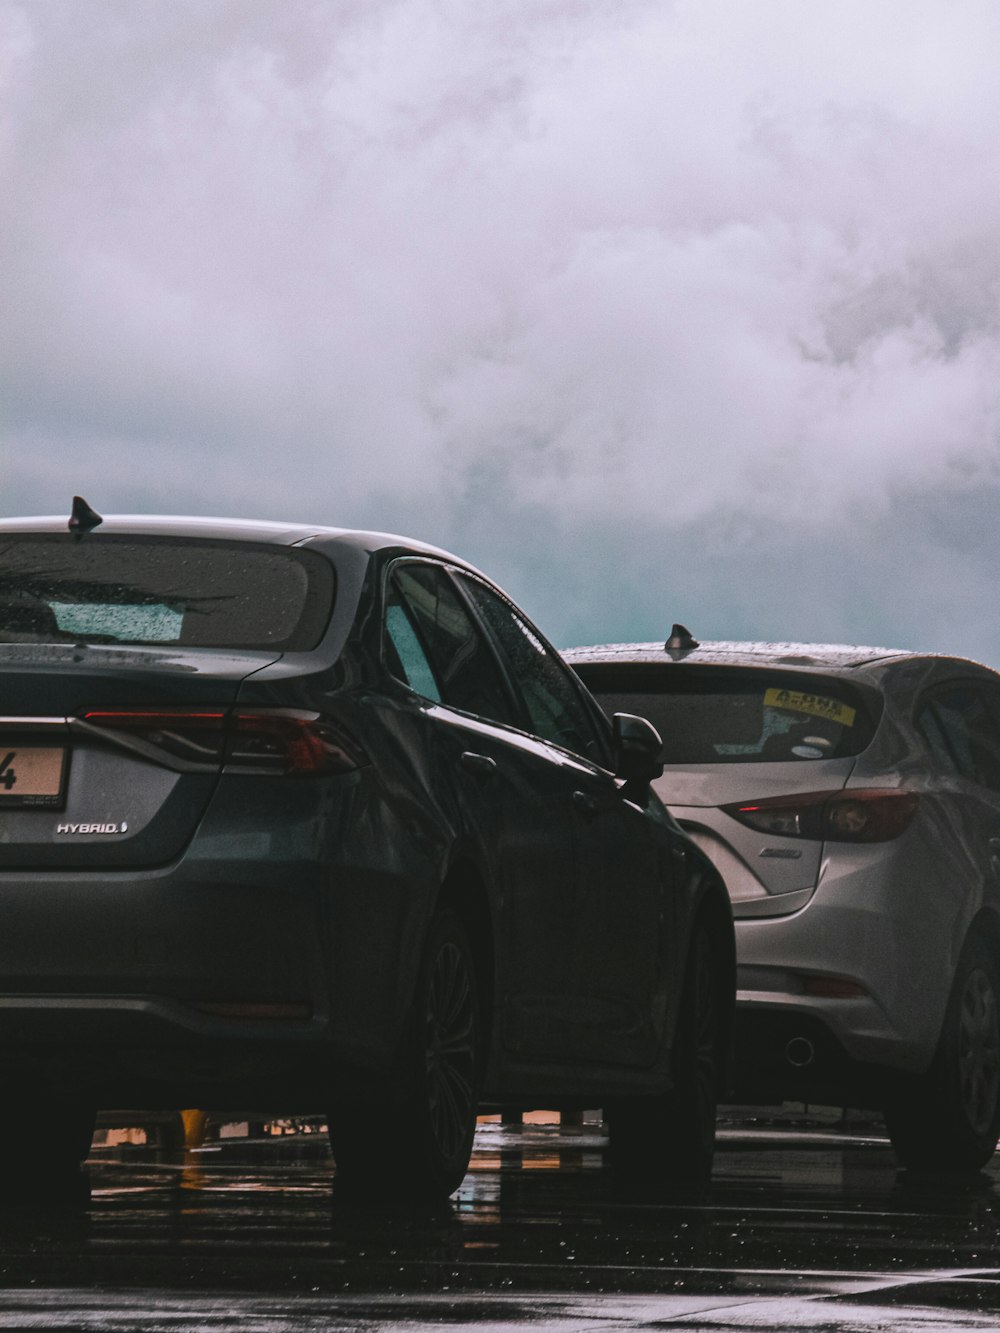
{"x":865,"y":815}
{"x":246,"y":740}
{"x":288,"y":743}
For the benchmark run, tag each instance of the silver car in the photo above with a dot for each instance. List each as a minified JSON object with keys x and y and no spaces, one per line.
{"x":850,"y":798}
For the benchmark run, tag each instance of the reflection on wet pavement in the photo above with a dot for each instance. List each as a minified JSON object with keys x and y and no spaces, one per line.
{"x":803,"y":1226}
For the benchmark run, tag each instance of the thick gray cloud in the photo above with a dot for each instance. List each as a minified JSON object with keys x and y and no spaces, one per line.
{"x":657,"y":310}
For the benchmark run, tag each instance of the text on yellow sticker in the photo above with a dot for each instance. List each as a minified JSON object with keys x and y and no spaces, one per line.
{"x":816,"y":705}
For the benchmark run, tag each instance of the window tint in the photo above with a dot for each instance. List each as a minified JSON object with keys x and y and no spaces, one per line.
{"x":407,"y":660}
{"x":933,"y":733}
{"x":730,"y":716}
{"x":162,"y":590}
{"x":463,"y":665}
{"x":957,"y":720}
{"x":551,"y":699}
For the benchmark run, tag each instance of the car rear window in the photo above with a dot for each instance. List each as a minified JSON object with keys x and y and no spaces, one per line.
{"x":106,"y":588}
{"x":730,"y":716}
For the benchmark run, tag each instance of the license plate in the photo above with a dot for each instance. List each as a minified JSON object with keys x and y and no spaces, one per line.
{"x":32,"y":775}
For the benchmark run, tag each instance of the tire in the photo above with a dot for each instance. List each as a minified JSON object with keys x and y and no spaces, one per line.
{"x":419,"y":1146}
{"x":54,"y":1139}
{"x":670,"y":1140}
{"x":949,"y":1120}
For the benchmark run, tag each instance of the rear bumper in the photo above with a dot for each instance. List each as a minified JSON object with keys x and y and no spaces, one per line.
{"x":155,"y":1052}
{"x":109,"y":980}
{"x":785,"y":1055}
{"x":879,"y":928}
{"x":177,"y":933}
{"x":135,"y":1019}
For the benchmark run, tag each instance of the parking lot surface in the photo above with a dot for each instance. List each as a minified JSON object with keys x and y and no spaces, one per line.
{"x":806,"y":1225}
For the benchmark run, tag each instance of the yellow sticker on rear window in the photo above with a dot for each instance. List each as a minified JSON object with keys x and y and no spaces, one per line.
{"x":816,"y":705}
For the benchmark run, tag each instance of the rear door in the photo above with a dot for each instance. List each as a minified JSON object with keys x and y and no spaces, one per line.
{"x":511,"y":794}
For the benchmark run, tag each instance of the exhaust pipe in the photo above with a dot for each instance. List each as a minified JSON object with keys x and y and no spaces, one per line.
{"x":800,"y":1052}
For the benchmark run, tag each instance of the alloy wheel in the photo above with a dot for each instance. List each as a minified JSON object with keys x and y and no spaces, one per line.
{"x":450,"y":1048}
{"x":979,"y":1050}
{"x":705,"y":1040}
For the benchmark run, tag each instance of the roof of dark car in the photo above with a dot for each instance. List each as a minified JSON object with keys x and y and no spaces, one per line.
{"x":828,"y":656}
{"x":224,"y":529}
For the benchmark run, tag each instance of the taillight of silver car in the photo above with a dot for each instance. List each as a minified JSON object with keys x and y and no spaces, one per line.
{"x":863,"y":815}
{"x":247,"y":740}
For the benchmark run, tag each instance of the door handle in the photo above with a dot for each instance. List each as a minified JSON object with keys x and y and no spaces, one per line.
{"x":479,"y":765}
{"x":585,"y":804}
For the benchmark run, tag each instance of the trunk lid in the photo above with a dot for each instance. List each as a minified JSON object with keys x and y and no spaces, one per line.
{"x":75,"y":797}
{"x":756,"y":866}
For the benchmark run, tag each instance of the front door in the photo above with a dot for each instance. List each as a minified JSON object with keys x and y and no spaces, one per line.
{"x":610,"y":915}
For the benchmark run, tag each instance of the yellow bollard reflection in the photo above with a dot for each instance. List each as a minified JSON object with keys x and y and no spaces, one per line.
{"x":195,"y":1124}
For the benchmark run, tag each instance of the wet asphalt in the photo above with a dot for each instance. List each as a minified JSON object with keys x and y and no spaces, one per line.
{"x":807,"y":1224}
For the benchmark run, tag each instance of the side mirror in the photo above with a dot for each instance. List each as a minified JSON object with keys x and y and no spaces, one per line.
{"x":637,"y":747}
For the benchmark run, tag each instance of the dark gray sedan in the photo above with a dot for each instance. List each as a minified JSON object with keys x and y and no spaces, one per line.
{"x":297,"y":817}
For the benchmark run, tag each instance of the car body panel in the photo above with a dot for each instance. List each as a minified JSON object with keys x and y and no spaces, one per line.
{"x":200,"y":934}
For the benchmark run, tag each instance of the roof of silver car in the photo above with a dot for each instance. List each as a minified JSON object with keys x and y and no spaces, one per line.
{"x":740,"y":654}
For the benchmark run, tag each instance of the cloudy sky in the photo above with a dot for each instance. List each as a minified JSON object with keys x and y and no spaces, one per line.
{"x":656,"y":310}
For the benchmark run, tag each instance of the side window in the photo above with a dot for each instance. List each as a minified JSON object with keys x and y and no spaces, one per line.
{"x":407,"y":659}
{"x":553,"y":704}
{"x":933,"y":733}
{"x":458,"y":657}
{"x":956,"y":722}
{"x":987,"y":740}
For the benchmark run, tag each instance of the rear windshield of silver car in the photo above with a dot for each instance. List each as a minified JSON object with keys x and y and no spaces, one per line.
{"x":106,"y":588}
{"x":731,"y":716}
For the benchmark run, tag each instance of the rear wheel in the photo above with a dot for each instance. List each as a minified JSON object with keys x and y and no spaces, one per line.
{"x":670,"y":1140}
{"x":53,"y":1138}
{"x":949,"y":1120}
{"x":420,"y":1145}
